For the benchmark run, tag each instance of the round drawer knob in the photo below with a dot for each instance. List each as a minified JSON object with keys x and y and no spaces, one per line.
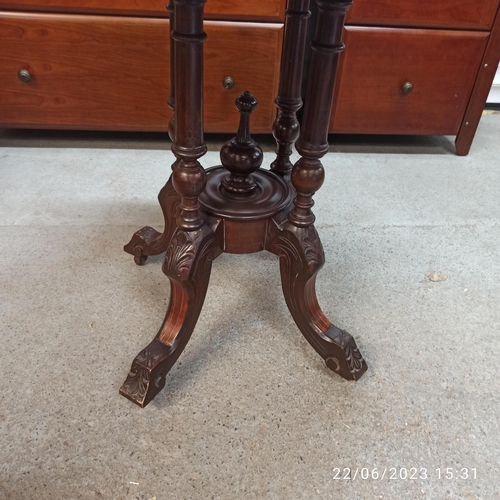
{"x":228,"y":83}
{"x":407,"y":88}
{"x":24,"y":75}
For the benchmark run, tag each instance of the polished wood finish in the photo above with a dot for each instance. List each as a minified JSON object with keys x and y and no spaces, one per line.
{"x":236,"y":50}
{"x":171,"y":99}
{"x":188,"y":177}
{"x":482,"y":87}
{"x":295,"y":239}
{"x":193,"y":242}
{"x":244,"y":237}
{"x":301,"y":258}
{"x":308,"y":173}
{"x":68,"y":90}
{"x":239,"y":208}
{"x":286,"y":128}
{"x":187,"y":264}
{"x":269,"y":10}
{"x":435,"y":51}
{"x":456,"y":14}
{"x":440,"y":64}
{"x":242,"y":156}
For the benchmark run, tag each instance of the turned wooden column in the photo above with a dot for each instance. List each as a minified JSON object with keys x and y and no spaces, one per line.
{"x":308,"y":173}
{"x":286,"y":128}
{"x":189,"y":177}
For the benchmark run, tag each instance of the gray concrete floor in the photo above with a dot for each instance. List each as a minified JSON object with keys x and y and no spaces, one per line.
{"x":250,"y":411}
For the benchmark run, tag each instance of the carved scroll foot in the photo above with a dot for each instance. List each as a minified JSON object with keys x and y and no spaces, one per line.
{"x":188,"y":263}
{"x":343,"y":355}
{"x":301,"y":257}
{"x":147,"y":241}
{"x":147,"y":375}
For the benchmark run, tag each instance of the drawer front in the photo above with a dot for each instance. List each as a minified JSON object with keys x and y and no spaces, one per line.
{"x":441,"y":66}
{"x":100,"y":72}
{"x":471,"y":14}
{"x":269,"y":10}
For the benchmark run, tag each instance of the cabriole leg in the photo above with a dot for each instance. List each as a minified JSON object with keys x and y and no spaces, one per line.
{"x":301,"y":257}
{"x":187,"y":264}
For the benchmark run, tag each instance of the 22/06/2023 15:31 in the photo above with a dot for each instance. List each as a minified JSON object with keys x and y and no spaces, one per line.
{"x":395,"y":473}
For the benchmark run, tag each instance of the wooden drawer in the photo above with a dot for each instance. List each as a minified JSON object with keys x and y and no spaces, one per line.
{"x":441,"y":66}
{"x":269,"y":10}
{"x":468,"y":14}
{"x":104,"y":72}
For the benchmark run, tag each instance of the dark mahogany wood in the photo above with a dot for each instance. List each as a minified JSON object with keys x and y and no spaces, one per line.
{"x":192,"y":245}
{"x":482,"y":87}
{"x":171,"y":99}
{"x":308,"y":173}
{"x":455,"y":14}
{"x":441,"y":65}
{"x":188,"y":177}
{"x":301,"y":257}
{"x":147,"y":241}
{"x":295,"y":240}
{"x":238,"y":207}
{"x":187,"y":264}
{"x":238,"y":190}
{"x":286,"y":128}
{"x":242,"y":156}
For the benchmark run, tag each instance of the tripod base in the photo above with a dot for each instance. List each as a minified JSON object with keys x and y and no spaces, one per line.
{"x":233,"y":225}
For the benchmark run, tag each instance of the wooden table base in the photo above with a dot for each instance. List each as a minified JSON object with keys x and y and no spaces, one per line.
{"x":238,"y":207}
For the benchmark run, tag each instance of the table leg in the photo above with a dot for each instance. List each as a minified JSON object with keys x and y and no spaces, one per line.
{"x":296,"y":241}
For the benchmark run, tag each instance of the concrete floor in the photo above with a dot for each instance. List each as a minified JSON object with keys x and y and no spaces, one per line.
{"x":250,"y":411}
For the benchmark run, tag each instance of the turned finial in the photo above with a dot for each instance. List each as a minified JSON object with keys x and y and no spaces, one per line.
{"x":242,"y":156}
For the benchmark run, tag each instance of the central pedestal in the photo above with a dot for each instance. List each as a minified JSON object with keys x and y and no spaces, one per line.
{"x":245,"y":219}
{"x":271,"y":195}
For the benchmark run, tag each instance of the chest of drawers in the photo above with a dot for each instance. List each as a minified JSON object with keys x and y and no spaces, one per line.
{"x":410,"y":67}
{"x":417,"y":67}
{"x":103,"y":64}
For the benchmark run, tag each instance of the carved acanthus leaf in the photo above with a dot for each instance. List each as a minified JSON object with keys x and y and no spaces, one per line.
{"x":312,"y":250}
{"x":150,"y":356}
{"x":137,"y":383}
{"x":353,"y":357}
{"x":180,"y":255}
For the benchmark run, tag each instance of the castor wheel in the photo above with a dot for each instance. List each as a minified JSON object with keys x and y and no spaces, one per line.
{"x":139,"y":258}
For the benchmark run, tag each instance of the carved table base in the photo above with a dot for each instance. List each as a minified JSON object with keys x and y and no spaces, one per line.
{"x":237,"y":207}
{"x":188,"y":262}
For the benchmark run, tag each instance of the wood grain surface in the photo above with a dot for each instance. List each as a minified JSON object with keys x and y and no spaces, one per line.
{"x":467,"y":14}
{"x":441,"y":66}
{"x":270,"y":10}
{"x":106,"y":72}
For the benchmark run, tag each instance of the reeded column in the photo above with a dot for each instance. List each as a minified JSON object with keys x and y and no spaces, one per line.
{"x":188,"y":178}
{"x":308,"y":173}
{"x":286,"y":127}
